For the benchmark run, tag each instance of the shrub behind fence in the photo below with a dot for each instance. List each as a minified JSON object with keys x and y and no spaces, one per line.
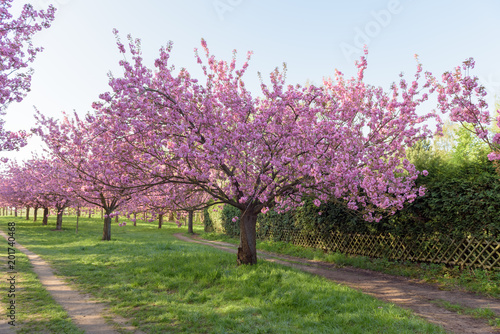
{"x":469,"y":252}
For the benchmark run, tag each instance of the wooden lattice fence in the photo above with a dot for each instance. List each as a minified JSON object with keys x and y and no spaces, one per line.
{"x":468,"y":252}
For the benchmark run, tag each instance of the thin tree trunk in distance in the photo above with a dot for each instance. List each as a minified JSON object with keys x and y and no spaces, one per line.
{"x":77,"y":218}
{"x":35,"y":213}
{"x":160,"y":220}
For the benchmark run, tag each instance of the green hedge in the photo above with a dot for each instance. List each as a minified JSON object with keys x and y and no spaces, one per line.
{"x":212,"y":218}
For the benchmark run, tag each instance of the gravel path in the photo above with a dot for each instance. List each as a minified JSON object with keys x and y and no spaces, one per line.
{"x":404,"y":292}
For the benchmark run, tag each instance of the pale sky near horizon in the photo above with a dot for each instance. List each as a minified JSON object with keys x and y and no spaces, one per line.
{"x":312,"y":37}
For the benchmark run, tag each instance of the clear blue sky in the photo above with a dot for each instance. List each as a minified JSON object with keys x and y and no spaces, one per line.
{"x":312,"y":37}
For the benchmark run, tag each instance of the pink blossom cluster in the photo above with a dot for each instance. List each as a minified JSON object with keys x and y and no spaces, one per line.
{"x":16,"y":53}
{"x":462,"y":97}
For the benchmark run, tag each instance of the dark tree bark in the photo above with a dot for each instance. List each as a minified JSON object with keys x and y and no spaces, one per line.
{"x":15,"y":212}
{"x":135,"y":219}
{"x":27,"y":213}
{"x":45,"y":216}
{"x":60,"y":213}
{"x":35,"y":213}
{"x":247,"y":249}
{"x":77,"y":218}
{"x":106,"y":232}
{"x":90,"y":213}
{"x":116,"y":219}
{"x":160,"y":220}
{"x":190,"y":222}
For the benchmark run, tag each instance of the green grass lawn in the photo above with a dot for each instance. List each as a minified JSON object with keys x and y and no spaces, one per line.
{"x":165,"y":285}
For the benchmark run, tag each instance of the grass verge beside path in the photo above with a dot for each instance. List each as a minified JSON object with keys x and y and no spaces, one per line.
{"x":166,"y":285}
{"x":484,"y":282}
{"x":36,"y":310}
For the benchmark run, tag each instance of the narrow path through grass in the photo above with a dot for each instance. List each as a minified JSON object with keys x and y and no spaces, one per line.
{"x":87,"y":315}
{"x":36,"y":311}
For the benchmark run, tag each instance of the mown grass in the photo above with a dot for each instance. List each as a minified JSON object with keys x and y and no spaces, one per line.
{"x":473,"y":280}
{"x":36,"y":311}
{"x":165,"y":285}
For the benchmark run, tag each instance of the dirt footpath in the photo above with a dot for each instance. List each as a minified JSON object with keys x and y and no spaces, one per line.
{"x":404,"y":292}
{"x":85,"y":313}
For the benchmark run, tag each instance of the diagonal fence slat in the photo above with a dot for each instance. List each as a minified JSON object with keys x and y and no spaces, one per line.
{"x":468,"y":252}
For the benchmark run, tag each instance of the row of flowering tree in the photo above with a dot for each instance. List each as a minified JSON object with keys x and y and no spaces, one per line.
{"x":173,"y":135}
{"x":38,"y":183}
{"x":164,"y":137}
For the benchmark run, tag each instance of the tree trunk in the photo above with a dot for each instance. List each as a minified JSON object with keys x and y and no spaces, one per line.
{"x":27,"y":213}
{"x":77,"y":218}
{"x":35,"y":213}
{"x":247,"y":249}
{"x":45,"y":216}
{"x":160,"y":220}
{"x":59,"y":219}
{"x":15,"y":212}
{"x":106,"y":232}
{"x":116,"y":219}
{"x":135,"y":219}
{"x":171,"y":216}
{"x":90,"y":213}
{"x":190,"y":222}
{"x":102,"y":213}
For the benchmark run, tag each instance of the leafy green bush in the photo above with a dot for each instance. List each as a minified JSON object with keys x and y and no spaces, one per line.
{"x":230,"y":228}
{"x":462,"y":197}
{"x":212,"y":218}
